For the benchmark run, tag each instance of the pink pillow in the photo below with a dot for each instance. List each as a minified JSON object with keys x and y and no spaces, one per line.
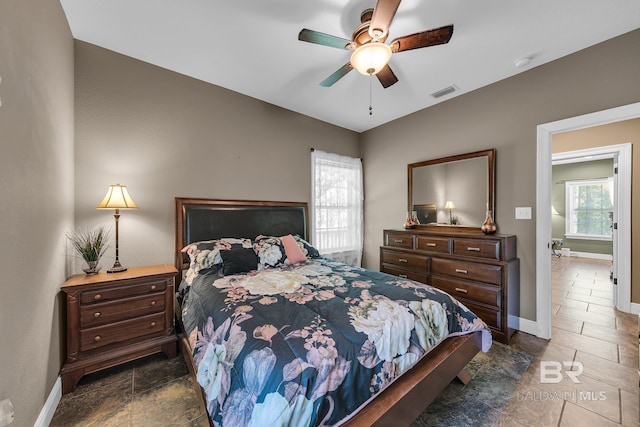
{"x":292,"y":250}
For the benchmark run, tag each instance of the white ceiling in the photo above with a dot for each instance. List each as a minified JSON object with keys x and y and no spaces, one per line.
{"x":252,"y":47}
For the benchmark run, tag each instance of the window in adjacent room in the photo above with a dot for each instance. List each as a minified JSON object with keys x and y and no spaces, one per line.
{"x":336,"y":206}
{"x":589,"y":209}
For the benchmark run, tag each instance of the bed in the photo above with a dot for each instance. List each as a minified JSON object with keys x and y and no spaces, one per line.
{"x":275,"y":334}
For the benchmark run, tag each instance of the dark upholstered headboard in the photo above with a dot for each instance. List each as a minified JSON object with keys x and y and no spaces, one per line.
{"x":206,"y":219}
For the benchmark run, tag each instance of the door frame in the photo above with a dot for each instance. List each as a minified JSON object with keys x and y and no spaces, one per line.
{"x":545,"y":133}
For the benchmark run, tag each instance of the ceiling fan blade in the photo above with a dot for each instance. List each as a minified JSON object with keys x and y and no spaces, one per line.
{"x":386,"y":77}
{"x":382,"y":16}
{"x":342,"y":71}
{"x":323,"y":39}
{"x":424,"y":39}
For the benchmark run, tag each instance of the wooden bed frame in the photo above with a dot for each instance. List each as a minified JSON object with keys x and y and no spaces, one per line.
{"x":402,"y":401}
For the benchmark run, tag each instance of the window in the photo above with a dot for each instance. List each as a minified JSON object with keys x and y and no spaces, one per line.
{"x":336,"y":206}
{"x":589,"y":209}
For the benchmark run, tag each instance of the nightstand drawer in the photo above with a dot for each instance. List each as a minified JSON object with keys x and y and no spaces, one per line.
{"x":486,"y":273}
{"x":101,"y":336}
{"x":111,"y":293}
{"x":399,"y":240}
{"x":477,"y":248}
{"x":405,"y":260}
{"x":114,"y":311}
{"x":433,"y":244}
{"x":478,"y":292}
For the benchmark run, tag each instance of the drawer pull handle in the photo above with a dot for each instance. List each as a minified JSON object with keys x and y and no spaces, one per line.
{"x":153,"y":303}
{"x":153,"y":324}
{"x":153,"y":287}
{"x":96,"y":314}
{"x":473,"y":249}
{"x":398,"y":241}
{"x":464,"y":291}
{"x":433,"y":245}
{"x":461,"y":271}
{"x":97,"y":296}
{"x":404,"y":276}
{"x":97,"y":338}
{"x":402,"y":260}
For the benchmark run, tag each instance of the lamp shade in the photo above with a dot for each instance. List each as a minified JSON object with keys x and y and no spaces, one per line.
{"x":371,"y":57}
{"x":449,"y":205}
{"x":117,"y":198}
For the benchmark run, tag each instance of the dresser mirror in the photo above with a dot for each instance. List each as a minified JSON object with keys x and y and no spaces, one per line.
{"x":455,"y":190}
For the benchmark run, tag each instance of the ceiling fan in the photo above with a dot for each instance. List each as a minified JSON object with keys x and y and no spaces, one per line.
{"x":370,"y":53}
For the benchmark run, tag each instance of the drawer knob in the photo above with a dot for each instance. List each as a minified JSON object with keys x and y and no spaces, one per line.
{"x":433,"y":245}
{"x":153,"y":303}
{"x":461,"y":271}
{"x":153,"y":324}
{"x":464,"y":291}
{"x":97,"y":338}
{"x":473,"y":249}
{"x":398,"y":241}
{"x":97,"y":314}
{"x":402,"y":260}
{"x":97,"y":296}
{"x":153,"y":287}
{"x":404,"y":276}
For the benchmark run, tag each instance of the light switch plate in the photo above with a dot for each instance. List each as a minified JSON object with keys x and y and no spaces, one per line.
{"x":523,"y":213}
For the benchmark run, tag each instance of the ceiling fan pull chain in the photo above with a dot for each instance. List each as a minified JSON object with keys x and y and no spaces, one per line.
{"x":370,"y":102}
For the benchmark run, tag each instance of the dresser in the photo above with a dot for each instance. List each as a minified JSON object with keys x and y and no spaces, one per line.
{"x":481,"y":271}
{"x":114,"y":318}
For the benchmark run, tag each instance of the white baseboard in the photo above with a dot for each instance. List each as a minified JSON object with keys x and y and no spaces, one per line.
{"x":591,"y":255}
{"x":635,"y":308}
{"x":49,"y":408}
{"x":524,"y":325}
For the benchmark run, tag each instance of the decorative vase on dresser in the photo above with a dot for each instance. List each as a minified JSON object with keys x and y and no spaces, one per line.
{"x":481,"y":270}
{"x":118,"y":317}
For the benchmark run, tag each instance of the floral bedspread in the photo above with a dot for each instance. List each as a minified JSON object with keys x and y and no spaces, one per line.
{"x":309,"y":344}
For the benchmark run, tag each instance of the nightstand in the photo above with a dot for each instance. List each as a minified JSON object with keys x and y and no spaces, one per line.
{"x":114,"y":318}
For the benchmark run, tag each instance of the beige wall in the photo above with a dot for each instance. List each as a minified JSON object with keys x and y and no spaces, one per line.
{"x":36,"y":199}
{"x":505,"y":116}
{"x":627,"y":131}
{"x":165,"y":135}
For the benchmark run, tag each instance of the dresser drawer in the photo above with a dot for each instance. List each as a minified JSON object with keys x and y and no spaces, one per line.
{"x":433,"y":244}
{"x":486,"y":273}
{"x":399,"y":240}
{"x":490,"y":317}
{"x":111,"y":293}
{"x":101,"y":336}
{"x":405,"y":260}
{"x":114,"y":311}
{"x":478,"y":292}
{"x":477,"y":248}
{"x":405,"y":274}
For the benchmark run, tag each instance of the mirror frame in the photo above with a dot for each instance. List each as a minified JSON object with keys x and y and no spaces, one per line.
{"x":490,"y":154}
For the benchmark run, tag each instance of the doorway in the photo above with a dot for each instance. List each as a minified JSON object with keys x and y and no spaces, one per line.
{"x":543,"y":209}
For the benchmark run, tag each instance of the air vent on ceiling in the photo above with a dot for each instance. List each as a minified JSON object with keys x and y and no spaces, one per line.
{"x":446,"y":91}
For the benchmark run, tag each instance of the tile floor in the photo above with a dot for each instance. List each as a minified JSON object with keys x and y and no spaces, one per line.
{"x":586,"y":329}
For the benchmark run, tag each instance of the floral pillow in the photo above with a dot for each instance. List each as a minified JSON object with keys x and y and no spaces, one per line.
{"x":308,"y":249}
{"x":270,"y":251}
{"x":206,"y":254}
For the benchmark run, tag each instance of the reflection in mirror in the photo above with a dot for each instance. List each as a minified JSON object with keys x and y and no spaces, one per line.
{"x":465,"y":180}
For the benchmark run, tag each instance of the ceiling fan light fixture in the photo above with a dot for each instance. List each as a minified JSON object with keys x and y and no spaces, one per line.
{"x":371,"y":57}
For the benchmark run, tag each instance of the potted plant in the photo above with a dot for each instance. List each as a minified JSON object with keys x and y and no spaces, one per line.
{"x":90,"y":245}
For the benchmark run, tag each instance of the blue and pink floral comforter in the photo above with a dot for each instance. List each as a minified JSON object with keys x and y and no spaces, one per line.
{"x":310,"y":344}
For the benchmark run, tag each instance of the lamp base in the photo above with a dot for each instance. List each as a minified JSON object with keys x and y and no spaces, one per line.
{"x":117,"y":268}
